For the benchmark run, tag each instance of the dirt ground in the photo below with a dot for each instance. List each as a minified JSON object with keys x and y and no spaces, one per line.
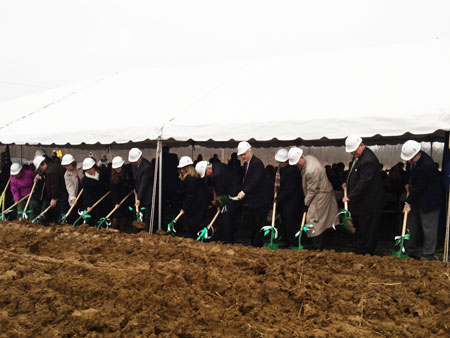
{"x":65,"y":282}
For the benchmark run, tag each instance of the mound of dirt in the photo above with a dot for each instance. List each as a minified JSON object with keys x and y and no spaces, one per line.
{"x":60,"y":281}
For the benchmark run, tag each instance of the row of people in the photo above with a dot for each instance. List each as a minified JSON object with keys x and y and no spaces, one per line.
{"x":303,"y":185}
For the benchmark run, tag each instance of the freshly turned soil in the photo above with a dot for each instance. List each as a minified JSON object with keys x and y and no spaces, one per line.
{"x":66,"y":282}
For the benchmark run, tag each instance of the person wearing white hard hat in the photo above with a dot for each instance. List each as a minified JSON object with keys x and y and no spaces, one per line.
{"x":54,"y":192}
{"x":72,"y":177}
{"x":254,"y":192}
{"x":95,"y":184}
{"x":194,"y":199}
{"x":121,"y":184}
{"x":143,"y":172}
{"x":289,"y":197}
{"x":21,"y":184}
{"x":223,"y":182}
{"x":320,"y":199}
{"x":365,"y":194}
{"x":424,"y":199}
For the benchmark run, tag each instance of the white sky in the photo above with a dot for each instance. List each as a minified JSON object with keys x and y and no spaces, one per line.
{"x":47,"y":43}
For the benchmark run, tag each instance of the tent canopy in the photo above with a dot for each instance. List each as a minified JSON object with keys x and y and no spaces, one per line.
{"x":382,"y":93}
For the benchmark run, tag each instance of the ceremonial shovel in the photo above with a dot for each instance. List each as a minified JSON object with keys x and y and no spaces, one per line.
{"x":171,"y":226}
{"x":12,"y":206}
{"x":64,"y":216}
{"x":205,"y":234}
{"x":347,"y":217}
{"x":303,"y":228}
{"x":85,"y":214}
{"x":399,"y":240}
{"x":271,"y":228}
{"x":25,"y":212}
{"x":106,"y":219}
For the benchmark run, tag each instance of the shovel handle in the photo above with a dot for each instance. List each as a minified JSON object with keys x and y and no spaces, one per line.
{"x":12,"y":206}
{"x":178,"y":217}
{"x":120,"y":203}
{"x":405,"y":220}
{"x":345,"y":195}
{"x":6,"y":186}
{"x":274,"y":210}
{"x":303,"y":220}
{"x":214,"y":219}
{"x":74,"y":203}
{"x":98,"y":202}
{"x":135,"y":201}
{"x":29,"y":196}
{"x":45,"y":211}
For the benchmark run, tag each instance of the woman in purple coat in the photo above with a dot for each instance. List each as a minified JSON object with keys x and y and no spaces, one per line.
{"x":21,"y":184}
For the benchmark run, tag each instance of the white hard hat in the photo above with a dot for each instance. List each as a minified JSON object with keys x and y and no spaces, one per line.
{"x":38,"y":161}
{"x":243,"y":147}
{"x":117,"y":162}
{"x":39,"y":152}
{"x":294,"y":155}
{"x":88,"y":163}
{"x":410,"y":149}
{"x":134,"y":154}
{"x":200,"y":168}
{"x":185,"y":161}
{"x":352,"y":143}
{"x":15,"y":169}
{"x":67,"y":159}
{"x":281,"y":155}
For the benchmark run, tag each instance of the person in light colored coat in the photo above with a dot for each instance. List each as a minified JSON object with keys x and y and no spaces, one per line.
{"x":72,"y":177}
{"x":320,"y":199}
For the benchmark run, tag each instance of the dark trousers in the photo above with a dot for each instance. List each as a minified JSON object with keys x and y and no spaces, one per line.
{"x":317,"y":242}
{"x":428,"y":221}
{"x":229,"y":218}
{"x":257,"y":221}
{"x":53,"y":215}
{"x":366,"y":232}
{"x":290,"y":226}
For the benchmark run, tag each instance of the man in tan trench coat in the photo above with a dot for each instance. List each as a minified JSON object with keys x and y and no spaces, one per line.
{"x":320,"y":200}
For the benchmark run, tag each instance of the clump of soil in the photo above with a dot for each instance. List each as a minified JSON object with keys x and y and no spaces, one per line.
{"x":61,"y":281}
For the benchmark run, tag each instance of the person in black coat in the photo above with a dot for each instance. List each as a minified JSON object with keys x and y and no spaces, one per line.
{"x":223,"y":181}
{"x":53,"y":189}
{"x":121,"y":184}
{"x":194,"y":198}
{"x":424,"y":200}
{"x":254,"y":192}
{"x":143,"y":173}
{"x":95,"y":185}
{"x":290,"y":197}
{"x":365,"y":194}
{"x":170,"y":185}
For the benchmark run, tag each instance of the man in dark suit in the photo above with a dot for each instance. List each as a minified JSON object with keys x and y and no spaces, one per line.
{"x":290,"y":197}
{"x":365,"y":194}
{"x":170,"y":185}
{"x":224,"y":181}
{"x":143,"y":172}
{"x":253,"y":192}
{"x":424,"y":200}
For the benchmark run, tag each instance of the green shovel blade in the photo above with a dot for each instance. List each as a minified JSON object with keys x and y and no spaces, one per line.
{"x":202,"y":235}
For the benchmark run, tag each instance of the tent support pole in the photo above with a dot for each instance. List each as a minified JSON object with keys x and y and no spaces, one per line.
{"x":155,"y":177}
{"x":160,"y":186}
{"x":447,"y":225}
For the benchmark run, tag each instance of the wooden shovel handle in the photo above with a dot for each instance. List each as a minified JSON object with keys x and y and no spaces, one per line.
{"x":120,"y":203}
{"x":12,"y":206}
{"x":97,"y":203}
{"x":45,"y":211}
{"x":303,"y":220}
{"x":74,"y":203}
{"x":178,"y":217}
{"x":29,"y":197}
{"x":345,"y":195}
{"x":6,"y":186}
{"x":274,"y":210}
{"x":135,"y":201}
{"x":214,"y":219}
{"x":405,"y":220}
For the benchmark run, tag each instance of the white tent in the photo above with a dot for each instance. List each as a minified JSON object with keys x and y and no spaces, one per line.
{"x":388,"y":91}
